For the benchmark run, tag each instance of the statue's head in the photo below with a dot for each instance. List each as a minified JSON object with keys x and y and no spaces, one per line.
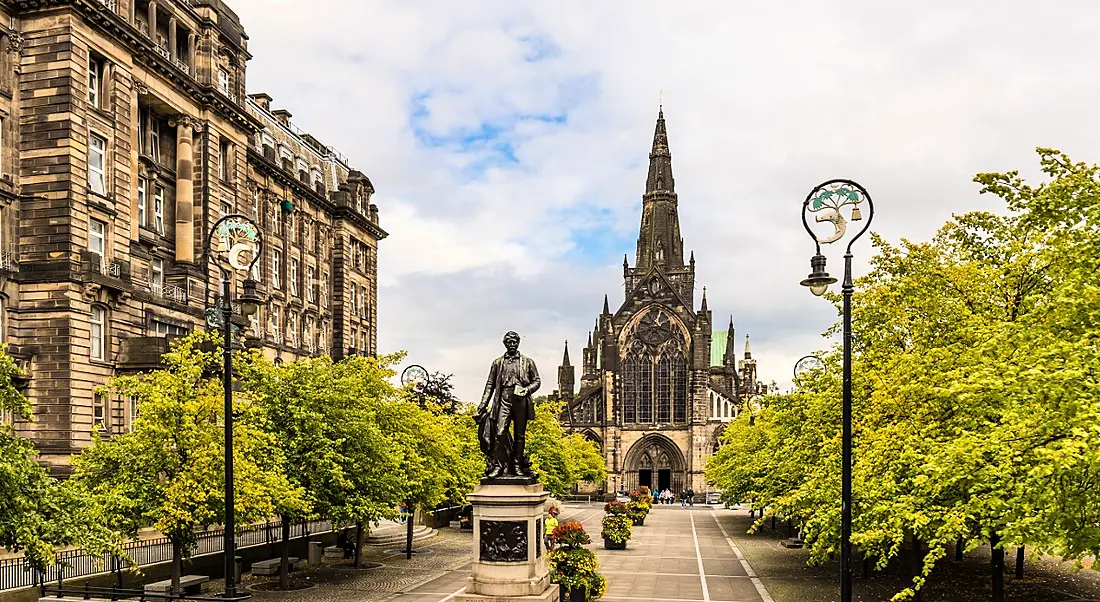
{"x":511,"y":341}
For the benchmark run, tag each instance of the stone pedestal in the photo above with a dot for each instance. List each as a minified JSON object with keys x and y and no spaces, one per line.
{"x":509,"y":555}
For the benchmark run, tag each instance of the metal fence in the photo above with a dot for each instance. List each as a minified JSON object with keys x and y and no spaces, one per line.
{"x":71,"y":564}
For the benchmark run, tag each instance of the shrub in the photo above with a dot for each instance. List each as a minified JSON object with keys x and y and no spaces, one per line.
{"x":616,"y":527}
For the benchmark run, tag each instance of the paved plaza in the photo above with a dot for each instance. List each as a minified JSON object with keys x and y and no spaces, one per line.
{"x":681,"y":555}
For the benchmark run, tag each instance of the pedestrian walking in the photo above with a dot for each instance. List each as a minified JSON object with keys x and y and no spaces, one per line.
{"x":551,"y":524}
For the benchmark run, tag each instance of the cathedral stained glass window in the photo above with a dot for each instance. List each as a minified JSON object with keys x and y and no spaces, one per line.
{"x":655,"y":371}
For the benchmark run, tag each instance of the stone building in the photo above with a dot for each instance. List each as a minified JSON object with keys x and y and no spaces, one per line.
{"x":657,"y":382}
{"x":125,"y":133}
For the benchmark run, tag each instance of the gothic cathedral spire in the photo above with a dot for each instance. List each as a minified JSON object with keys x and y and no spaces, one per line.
{"x":659,"y":241}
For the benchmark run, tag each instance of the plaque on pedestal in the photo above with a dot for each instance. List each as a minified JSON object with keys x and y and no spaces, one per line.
{"x":509,"y":560}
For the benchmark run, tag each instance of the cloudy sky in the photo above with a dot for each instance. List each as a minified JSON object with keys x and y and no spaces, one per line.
{"x":508,"y":143}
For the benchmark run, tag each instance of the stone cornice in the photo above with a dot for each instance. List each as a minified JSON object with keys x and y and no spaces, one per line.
{"x":145,"y":55}
{"x":266,"y":167}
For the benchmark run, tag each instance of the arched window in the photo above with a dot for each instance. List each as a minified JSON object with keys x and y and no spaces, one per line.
{"x":655,"y":371}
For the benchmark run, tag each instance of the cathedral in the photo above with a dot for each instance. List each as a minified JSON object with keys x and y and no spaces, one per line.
{"x":658,"y":383}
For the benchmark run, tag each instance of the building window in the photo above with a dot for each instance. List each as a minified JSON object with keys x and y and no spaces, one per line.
{"x":163,"y":329}
{"x":292,"y":329}
{"x":363,"y":347}
{"x":154,"y":137}
{"x":99,"y":333}
{"x":223,"y":161}
{"x":97,"y":157}
{"x":354,"y":336}
{"x":275,"y":323}
{"x":132,"y":402}
{"x":321,"y":339}
{"x":223,"y":81}
{"x":226,"y":209}
{"x":358,"y":256}
{"x":95,"y":80}
{"x":97,"y":237}
{"x":292,"y":278}
{"x":310,"y":296}
{"x":99,"y":410}
{"x":276,"y":265}
{"x":3,"y":320}
{"x":158,"y":210}
{"x":363,"y":297}
{"x":141,"y":202}
{"x":156,"y":276}
{"x":354,"y":301}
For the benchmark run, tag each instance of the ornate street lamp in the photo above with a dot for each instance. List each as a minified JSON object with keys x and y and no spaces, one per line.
{"x":807,"y":363}
{"x":825,"y":202}
{"x":412,"y":375}
{"x":234,"y":244}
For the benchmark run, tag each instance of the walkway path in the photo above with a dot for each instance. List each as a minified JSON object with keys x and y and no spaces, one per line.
{"x":680,"y":555}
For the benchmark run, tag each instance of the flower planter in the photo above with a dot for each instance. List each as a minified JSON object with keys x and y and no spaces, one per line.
{"x":578,"y":595}
{"x":610,"y":545}
{"x":638,"y":522}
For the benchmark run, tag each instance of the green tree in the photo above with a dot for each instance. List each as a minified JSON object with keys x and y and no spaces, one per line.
{"x":168,"y":471}
{"x":975,"y":381}
{"x":295,"y":405}
{"x":561,"y":460}
{"x":38,"y":513}
{"x":439,"y":391}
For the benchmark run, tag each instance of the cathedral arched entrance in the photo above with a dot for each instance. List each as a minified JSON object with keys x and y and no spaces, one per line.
{"x":655,"y":462}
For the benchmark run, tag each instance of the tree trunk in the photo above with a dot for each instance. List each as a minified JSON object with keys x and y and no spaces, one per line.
{"x":284,"y":565}
{"x":773,"y":522}
{"x":177,"y":566}
{"x":1020,"y":562}
{"x":998,"y":567}
{"x":959,"y":550}
{"x":358,"y":543}
{"x":918,"y":557}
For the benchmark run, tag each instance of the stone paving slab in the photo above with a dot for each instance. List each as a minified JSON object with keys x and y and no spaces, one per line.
{"x":667,"y":560}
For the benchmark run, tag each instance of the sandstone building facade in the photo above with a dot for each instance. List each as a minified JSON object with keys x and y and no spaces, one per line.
{"x":657,"y":382}
{"x":125,"y":133}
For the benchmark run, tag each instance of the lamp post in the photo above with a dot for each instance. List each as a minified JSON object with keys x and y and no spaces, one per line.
{"x":414,"y":375}
{"x":237,"y":249}
{"x":826,"y":201}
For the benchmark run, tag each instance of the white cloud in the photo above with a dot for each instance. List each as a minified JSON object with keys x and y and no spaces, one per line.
{"x":763,"y":101}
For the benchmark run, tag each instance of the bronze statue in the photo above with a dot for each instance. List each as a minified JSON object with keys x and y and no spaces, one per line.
{"x":513,"y":378}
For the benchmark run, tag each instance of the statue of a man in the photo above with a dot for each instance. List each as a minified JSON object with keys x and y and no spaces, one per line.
{"x":513,"y":378}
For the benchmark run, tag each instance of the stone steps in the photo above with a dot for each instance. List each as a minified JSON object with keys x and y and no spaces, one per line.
{"x":392,"y":536}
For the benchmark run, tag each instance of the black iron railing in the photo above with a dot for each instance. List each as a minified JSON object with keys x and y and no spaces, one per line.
{"x":16,"y":572}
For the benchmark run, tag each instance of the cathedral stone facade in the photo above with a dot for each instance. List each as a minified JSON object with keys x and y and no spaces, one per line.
{"x":657,"y":382}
